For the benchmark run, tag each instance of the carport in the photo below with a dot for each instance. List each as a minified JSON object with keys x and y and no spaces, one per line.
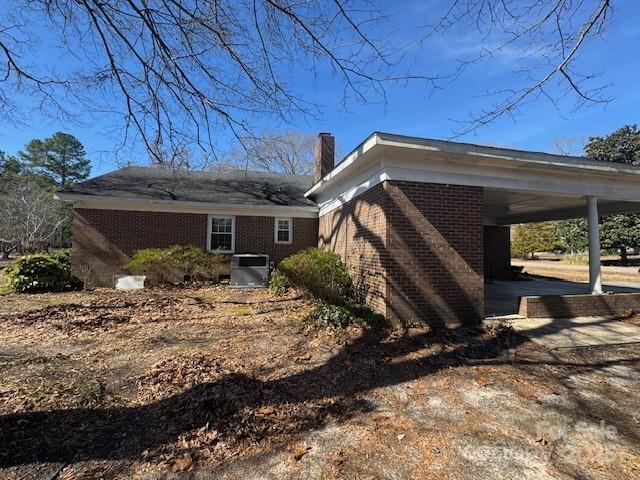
{"x":560,"y":188}
{"x":508,"y":207}
{"x":416,"y":217}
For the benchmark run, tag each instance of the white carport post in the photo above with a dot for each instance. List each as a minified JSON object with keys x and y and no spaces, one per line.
{"x":595,"y":275}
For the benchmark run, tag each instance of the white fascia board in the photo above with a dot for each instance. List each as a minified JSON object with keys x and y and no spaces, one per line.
{"x":467,"y":155}
{"x":445,"y":171}
{"x":539,"y":180}
{"x":113,"y":203}
{"x":498,"y":156}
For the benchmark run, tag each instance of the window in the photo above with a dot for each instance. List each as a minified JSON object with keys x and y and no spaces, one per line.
{"x":221,"y":234}
{"x":283,"y":230}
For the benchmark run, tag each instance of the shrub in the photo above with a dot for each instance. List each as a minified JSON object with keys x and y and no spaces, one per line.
{"x":318,"y":272}
{"x":278,"y":283}
{"x":176,"y":264}
{"x":340,"y":316}
{"x":38,"y":273}
{"x":63,"y":256}
{"x":330,"y":316}
{"x":367,"y":317}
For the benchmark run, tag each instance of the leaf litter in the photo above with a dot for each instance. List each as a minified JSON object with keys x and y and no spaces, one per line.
{"x":137,"y":385}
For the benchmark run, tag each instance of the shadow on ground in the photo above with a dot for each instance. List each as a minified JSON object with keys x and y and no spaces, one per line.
{"x":371,"y":361}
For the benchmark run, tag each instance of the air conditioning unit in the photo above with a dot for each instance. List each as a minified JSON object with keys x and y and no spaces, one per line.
{"x":249,"y":270}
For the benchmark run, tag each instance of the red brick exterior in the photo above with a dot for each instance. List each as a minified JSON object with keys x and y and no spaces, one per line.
{"x":324,"y":156}
{"x":497,"y":253}
{"x":422,"y":247}
{"x":415,"y":250}
{"x":357,"y":231}
{"x":569,"y":306}
{"x":257,"y":235}
{"x":103,"y":240}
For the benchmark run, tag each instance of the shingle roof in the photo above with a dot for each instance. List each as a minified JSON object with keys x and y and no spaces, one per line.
{"x":226,"y":187}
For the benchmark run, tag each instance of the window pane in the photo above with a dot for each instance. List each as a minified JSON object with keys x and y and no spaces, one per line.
{"x":221,"y":233}
{"x":221,"y":241}
{"x":221,"y":225}
{"x":283,"y":235}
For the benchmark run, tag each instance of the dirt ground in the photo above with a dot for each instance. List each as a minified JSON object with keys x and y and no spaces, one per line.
{"x":221,"y":383}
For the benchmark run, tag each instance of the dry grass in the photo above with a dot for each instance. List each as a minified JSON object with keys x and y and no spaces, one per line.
{"x":225,"y":383}
{"x":579,"y":275}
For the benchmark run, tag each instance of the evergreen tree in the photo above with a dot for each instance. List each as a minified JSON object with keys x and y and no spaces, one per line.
{"x":620,"y":232}
{"x":61,"y":158}
{"x":623,"y":146}
{"x":530,"y":238}
{"x":572,"y":234}
{"x":10,"y":166}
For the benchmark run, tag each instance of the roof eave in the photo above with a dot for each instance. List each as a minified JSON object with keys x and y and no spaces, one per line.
{"x":89,"y":201}
{"x":508,"y":158}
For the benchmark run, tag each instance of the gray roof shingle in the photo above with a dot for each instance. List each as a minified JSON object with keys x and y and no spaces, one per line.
{"x":226,"y":187}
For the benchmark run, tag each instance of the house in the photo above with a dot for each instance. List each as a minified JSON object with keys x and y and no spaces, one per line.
{"x":421,"y":223}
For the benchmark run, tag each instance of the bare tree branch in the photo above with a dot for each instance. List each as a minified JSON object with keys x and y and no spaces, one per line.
{"x":184,"y":74}
{"x":547,"y":35}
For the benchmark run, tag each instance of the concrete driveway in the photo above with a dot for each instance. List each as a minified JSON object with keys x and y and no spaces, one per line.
{"x":577,"y":332}
{"x":501,"y":300}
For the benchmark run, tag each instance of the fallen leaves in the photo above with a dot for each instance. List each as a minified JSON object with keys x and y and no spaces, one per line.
{"x":183,"y":463}
{"x":299,"y":451}
{"x":178,"y":384}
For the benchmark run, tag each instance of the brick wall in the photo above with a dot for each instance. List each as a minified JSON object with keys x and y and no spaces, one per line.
{"x":357,"y":231}
{"x":103,"y":240}
{"x":435,"y":270}
{"x":568,"y":306}
{"x":416,"y":247}
{"x":256,"y":235}
{"x":497,"y":253}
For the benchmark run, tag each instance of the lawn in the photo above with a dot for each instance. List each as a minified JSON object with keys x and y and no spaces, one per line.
{"x":215,"y":382}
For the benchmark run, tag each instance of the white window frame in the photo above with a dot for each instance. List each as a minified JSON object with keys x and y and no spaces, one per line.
{"x":275,"y":230}
{"x":233,"y":232}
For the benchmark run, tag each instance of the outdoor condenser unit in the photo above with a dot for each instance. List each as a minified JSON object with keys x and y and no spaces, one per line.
{"x":249,"y":270}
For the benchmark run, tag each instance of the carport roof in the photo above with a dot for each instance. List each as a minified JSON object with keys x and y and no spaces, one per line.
{"x":519,"y":186}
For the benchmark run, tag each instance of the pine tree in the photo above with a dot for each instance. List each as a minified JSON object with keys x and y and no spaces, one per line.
{"x":61,"y":158}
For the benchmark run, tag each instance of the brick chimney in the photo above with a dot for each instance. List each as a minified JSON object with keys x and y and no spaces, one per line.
{"x":325,"y":155}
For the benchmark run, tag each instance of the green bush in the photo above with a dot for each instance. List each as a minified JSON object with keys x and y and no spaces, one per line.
{"x":340,"y":316}
{"x":319,"y":273}
{"x":278,"y":283}
{"x":367,"y":317}
{"x":38,"y":273}
{"x":63,"y":256}
{"x":176,"y":264}
{"x":330,"y":316}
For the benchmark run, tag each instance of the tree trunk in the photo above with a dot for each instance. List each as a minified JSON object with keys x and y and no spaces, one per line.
{"x":623,"y":255}
{"x":5,"y":254}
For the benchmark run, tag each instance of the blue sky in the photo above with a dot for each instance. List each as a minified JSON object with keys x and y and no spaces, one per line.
{"x":415,"y":109}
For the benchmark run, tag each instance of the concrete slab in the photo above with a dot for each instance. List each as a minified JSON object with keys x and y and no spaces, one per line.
{"x":576,"y":332}
{"x":501,"y":297}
